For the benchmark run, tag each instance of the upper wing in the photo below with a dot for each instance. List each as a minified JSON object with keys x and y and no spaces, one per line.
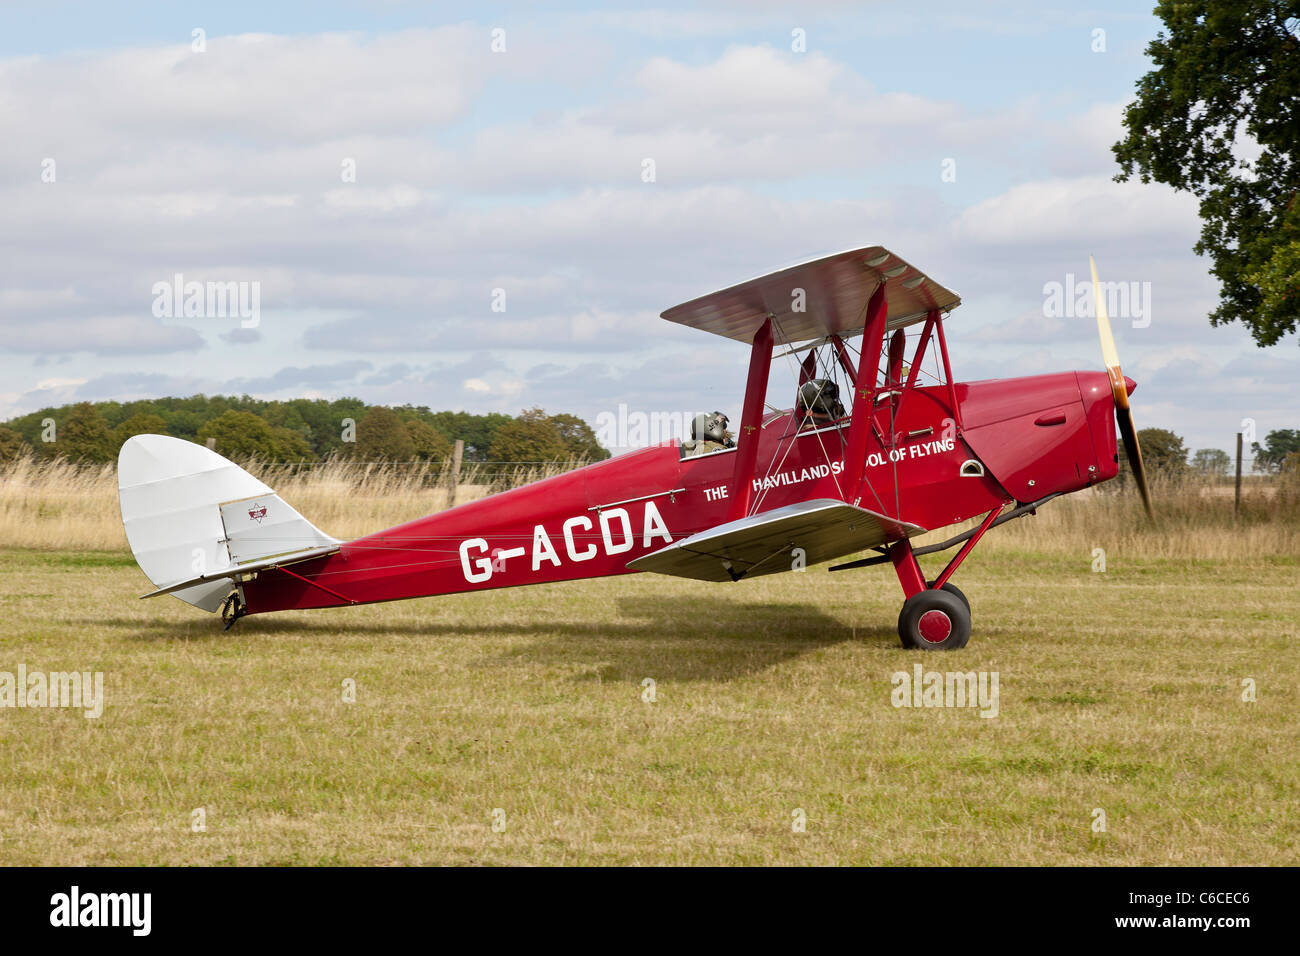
{"x":814,"y":299}
{"x":764,"y":543}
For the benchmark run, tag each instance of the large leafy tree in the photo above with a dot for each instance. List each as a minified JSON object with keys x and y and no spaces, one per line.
{"x":429,"y":443}
{"x":84,"y":436}
{"x":579,"y":438}
{"x":1163,"y":453}
{"x":141,"y":423}
{"x":325,"y":421}
{"x":476,"y":431}
{"x":12,"y":445}
{"x":1278,"y":444}
{"x":1219,"y":117}
{"x":532,"y":437}
{"x":382,"y":436}
{"x":244,"y":435}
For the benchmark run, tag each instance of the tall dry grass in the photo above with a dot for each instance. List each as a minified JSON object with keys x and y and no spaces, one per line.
{"x":1194,"y":521}
{"x":55,"y":505}
{"x":51,"y":504}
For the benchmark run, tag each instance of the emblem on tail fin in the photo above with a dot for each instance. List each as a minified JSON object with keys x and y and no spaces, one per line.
{"x":257,"y":512}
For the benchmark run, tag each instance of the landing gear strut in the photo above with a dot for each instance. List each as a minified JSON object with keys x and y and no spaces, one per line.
{"x":232,"y":610}
{"x":936,"y":615}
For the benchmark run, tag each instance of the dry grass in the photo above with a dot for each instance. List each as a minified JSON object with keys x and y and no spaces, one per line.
{"x":51,"y":504}
{"x":1193,"y":522}
{"x":55,"y":505}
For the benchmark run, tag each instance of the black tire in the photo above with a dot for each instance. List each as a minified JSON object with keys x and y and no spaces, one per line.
{"x":926,"y":616}
{"x":953,"y":589}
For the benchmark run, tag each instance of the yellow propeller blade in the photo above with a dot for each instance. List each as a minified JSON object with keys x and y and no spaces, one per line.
{"x":1123,"y":414}
{"x":1109,"y":354}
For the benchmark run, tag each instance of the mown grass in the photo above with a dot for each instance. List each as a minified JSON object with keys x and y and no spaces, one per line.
{"x":1119,"y":691}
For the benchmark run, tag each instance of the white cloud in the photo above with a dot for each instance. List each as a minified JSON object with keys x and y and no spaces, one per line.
{"x":101,"y":335}
{"x":226,"y":166}
{"x":46,"y":384}
{"x":1085,"y":209}
{"x":1079,"y":144}
{"x":296,"y":89}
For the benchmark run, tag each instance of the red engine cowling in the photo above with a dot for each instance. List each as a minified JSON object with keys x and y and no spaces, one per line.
{"x":1044,"y":434}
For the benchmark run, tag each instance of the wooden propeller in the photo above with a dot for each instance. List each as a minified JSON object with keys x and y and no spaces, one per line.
{"x":1119,"y":388}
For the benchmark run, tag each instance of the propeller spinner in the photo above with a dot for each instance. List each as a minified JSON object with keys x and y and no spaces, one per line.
{"x":1119,"y":388}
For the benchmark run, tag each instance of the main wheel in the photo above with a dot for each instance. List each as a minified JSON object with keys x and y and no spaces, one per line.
{"x":934,"y":621}
{"x":953,"y":589}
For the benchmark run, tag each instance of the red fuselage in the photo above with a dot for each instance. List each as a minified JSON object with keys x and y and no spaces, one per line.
{"x":927,"y":463}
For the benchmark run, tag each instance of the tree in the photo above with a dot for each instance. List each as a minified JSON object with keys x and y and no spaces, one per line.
{"x":299,"y":429}
{"x":429,"y":443}
{"x":12,"y":445}
{"x":291,"y":446}
{"x":1227,"y":76}
{"x":382,"y":436}
{"x":1277,"y":445}
{"x":326,"y":421}
{"x":1211,"y":462}
{"x":239,"y":435}
{"x":245,"y":435}
{"x":1163,"y":451}
{"x":185,"y":423}
{"x":476,"y":431}
{"x":532,"y":437}
{"x":141,"y":423}
{"x":579,"y":438}
{"x":84,"y":436}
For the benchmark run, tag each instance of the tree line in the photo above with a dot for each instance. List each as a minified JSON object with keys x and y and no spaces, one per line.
{"x":307,"y":430}
{"x":1166,"y":456}
{"x":299,"y":430}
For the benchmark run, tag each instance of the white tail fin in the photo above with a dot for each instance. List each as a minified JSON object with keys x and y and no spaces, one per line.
{"x":195,"y":519}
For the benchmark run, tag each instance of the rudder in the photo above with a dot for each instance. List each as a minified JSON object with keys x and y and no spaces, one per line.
{"x":192,"y":515}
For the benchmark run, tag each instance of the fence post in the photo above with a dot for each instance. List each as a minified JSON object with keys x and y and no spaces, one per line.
{"x":212,"y":444}
{"x":456,"y":456}
{"x":1236,"y":503}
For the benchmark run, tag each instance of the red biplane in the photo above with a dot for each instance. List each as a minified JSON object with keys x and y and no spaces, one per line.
{"x":881,"y":446}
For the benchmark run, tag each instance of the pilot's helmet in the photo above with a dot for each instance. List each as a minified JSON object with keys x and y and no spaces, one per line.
{"x":820,"y":397}
{"x":710,"y":427}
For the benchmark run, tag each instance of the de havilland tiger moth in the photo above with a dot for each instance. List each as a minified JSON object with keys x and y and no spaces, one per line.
{"x":882,"y":445}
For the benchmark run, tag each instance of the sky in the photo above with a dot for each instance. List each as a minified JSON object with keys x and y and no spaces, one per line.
{"x":449,"y":204}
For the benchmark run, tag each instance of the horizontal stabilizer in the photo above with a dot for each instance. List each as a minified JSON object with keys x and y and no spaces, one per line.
{"x":764,"y":543}
{"x":230,"y":573}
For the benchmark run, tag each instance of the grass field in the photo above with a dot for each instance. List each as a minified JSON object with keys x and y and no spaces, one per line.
{"x":1120,"y":691}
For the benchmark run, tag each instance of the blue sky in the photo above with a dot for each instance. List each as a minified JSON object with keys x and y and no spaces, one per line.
{"x":521,"y":170}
